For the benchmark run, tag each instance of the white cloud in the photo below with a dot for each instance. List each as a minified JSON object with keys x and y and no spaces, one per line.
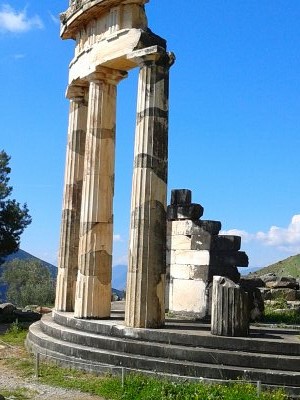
{"x":287,"y":239}
{"x":117,"y":238}
{"x":284,"y":239}
{"x":54,"y":18}
{"x":17,"y":21}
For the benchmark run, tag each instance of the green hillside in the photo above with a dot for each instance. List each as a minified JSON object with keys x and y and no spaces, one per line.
{"x":23,"y":255}
{"x":288,"y":267}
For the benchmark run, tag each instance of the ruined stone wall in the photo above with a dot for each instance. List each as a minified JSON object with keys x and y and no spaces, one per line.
{"x":195,"y":253}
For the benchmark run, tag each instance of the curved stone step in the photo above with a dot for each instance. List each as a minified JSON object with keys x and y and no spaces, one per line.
{"x":93,"y":367}
{"x":192,"y":334}
{"x":168,"y":351}
{"x":160,"y":365}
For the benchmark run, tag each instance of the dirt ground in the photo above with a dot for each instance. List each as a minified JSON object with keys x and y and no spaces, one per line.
{"x":9,"y":380}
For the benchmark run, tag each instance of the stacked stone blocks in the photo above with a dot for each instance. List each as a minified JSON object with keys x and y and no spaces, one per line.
{"x":195,"y":253}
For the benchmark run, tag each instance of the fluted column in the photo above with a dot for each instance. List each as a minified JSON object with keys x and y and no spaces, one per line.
{"x":147,"y":247}
{"x":93,"y":289}
{"x":69,"y":239}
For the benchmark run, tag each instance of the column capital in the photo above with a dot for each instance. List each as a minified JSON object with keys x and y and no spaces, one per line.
{"x":76,"y":92}
{"x":107,"y":75}
{"x":154,"y":55}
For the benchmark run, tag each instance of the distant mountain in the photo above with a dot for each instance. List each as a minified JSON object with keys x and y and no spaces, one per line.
{"x":119,"y":293}
{"x":287,"y":267}
{"x":119,"y":272}
{"x":23,"y":255}
{"x":249,"y":270}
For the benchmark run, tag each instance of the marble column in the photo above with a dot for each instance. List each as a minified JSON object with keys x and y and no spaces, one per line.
{"x":93,"y":289}
{"x":69,"y":239}
{"x":230,"y":310}
{"x":147,"y":247}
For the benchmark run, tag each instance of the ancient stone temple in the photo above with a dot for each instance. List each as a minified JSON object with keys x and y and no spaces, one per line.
{"x":112,"y":37}
{"x":85,"y":331}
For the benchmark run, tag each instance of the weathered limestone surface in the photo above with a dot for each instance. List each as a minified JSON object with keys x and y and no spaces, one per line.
{"x":93,"y":291}
{"x":193,"y":227}
{"x":106,"y":32}
{"x":192,"y":294}
{"x":251,"y":285}
{"x":147,"y":248}
{"x":230,"y":315}
{"x":112,"y":37}
{"x":69,"y":241}
{"x":195,"y":253}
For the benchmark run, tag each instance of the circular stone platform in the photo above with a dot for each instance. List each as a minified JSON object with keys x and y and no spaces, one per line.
{"x":182,"y":349}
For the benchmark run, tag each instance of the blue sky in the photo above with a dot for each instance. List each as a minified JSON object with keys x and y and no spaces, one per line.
{"x":234,"y":135}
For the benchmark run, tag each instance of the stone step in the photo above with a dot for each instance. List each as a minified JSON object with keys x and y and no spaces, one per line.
{"x":95,"y":367}
{"x":38,"y":339}
{"x":192,"y":334}
{"x":169,"y":351}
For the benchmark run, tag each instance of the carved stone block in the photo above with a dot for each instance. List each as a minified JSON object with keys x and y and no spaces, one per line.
{"x":179,"y":242}
{"x":230,"y":315}
{"x":201,"y":242}
{"x":191,"y":211}
{"x":181,"y":197}
{"x":188,"y":227}
{"x":231,"y":258}
{"x":213,"y":227}
{"x":229,"y":272}
{"x":226,"y":243}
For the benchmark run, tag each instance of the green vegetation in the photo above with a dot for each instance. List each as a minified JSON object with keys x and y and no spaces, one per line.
{"x":15,"y":335}
{"x":14,"y":218}
{"x":136,"y":387}
{"x":24,"y":365}
{"x":29,"y":282}
{"x":142,"y":388}
{"x":288,"y":317}
{"x":277,"y":313}
{"x":288,"y":267}
{"x":17,"y":394}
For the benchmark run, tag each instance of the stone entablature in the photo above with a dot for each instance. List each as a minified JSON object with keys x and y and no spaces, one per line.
{"x":106,"y":32}
{"x":195,"y":254}
{"x":80,"y":11}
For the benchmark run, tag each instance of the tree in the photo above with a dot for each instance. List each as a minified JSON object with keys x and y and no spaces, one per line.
{"x":14,"y":218}
{"x":28,"y":282}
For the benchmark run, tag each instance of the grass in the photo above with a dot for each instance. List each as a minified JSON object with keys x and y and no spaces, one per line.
{"x":143,"y":388}
{"x":17,"y":394}
{"x":277,"y":313}
{"x":15,"y":335}
{"x":24,"y":364}
{"x":287,"y":317}
{"x":105,"y":386}
{"x":136,"y":387}
{"x":288,"y":267}
{"x":139,"y":387}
